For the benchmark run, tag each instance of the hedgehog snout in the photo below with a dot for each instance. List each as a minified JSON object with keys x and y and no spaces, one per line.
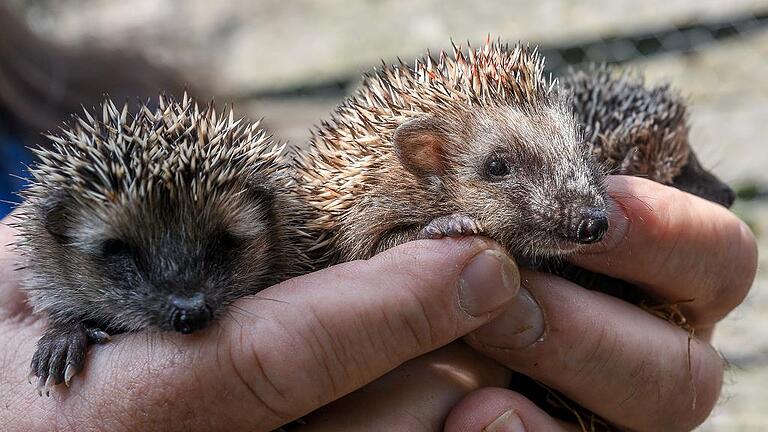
{"x":188,"y":314}
{"x":589,"y":225}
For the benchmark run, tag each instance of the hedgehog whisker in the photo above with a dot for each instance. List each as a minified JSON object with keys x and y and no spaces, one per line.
{"x":231,"y":314}
{"x":261,"y":297}
{"x":232,"y":309}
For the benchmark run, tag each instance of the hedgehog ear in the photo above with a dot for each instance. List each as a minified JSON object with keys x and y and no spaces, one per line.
{"x":419,"y":144}
{"x":258,"y":191}
{"x":55,"y":217}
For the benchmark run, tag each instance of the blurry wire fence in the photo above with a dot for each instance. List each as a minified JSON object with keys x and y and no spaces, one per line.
{"x":682,"y":38}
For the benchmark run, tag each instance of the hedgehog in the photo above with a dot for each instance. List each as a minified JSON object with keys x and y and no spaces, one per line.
{"x":153,"y":220}
{"x":477,"y":142}
{"x":640,"y":131}
{"x":482,"y":142}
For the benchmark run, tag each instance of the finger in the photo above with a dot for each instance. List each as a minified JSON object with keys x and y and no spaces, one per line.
{"x":415,"y":396}
{"x":500,"y":410}
{"x":611,"y":357}
{"x":316,"y":339}
{"x":677,"y":246}
{"x":12,"y":299}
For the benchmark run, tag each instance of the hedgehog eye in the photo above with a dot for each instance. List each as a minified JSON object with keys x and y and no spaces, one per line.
{"x":497,"y":167}
{"x":227,"y":241}
{"x":115,"y":247}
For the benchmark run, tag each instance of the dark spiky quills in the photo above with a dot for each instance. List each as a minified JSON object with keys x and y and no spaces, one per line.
{"x":179,"y":148}
{"x":632,"y":129}
{"x":351,"y":153}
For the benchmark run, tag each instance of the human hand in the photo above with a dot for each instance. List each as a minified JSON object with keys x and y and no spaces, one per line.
{"x":276,"y":357}
{"x":631,"y":368}
{"x":615,"y":359}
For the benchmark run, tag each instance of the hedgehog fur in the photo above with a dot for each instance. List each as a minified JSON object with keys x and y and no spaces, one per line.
{"x":639,"y":130}
{"x":634,"y":130}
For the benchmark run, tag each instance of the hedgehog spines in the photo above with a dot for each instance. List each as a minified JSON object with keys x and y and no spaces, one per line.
{"x":177,"y":152}
{"x":632,"y":129}
{"x":110,"y":158}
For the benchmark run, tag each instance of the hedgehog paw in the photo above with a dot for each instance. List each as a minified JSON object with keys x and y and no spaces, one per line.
{"x":60,"y":355}
{"x":455,"y":225}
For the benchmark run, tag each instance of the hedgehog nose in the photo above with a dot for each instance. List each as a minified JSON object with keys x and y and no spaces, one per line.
{"x":593,"y":225}
{"x":726,"y":196}
{"x":189,"y":314}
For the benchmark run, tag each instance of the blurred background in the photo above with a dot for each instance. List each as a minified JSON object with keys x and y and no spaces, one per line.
{"x":292,"y":63}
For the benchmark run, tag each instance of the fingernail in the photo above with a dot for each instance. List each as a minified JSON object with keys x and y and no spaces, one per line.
{"x":618,"y":224}
{"x":489,"y":281}
{"x":507,"y":422}
{"x":520,"y":325}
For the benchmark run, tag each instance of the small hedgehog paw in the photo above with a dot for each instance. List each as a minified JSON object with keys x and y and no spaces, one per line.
{"x":455,"y":225}
{"x":60,"y":355}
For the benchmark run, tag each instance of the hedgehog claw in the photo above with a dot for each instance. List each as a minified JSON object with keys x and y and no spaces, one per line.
{"x":69,"y":372}
{"x":455,"y":225}
{"x":60,"y":354}
{"x":40,"y":386}
{"x":49,"y":384}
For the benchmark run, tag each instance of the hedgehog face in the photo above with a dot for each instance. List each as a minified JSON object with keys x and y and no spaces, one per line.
{"x":167,"y":263}
{"x":156,"y":219}
{"x":522,"y":173}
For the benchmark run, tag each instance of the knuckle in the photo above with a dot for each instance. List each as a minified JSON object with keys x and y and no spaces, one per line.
{"x":679,"y":396}
{"x":745,"y":267}
{"x":274,"y":398}
{"x":677,"y":392}
{"x":737,"y":270}
{"x":417,"y":323}
{"x":666,"y":231}
{"x":723,"y":278}
{"x":409,"y":322}
{"x":419,"y":312}
{"x":595,"y":354}
{"x":268,"y":400}
{"x":432,"y":318}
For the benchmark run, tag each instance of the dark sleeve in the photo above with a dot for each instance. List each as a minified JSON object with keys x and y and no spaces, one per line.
{"x":14,"y":158}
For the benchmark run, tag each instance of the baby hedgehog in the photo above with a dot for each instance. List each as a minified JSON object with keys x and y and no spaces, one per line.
{"x":640,"y":131}
{"x":153,"y":220}
{"x":474,"y":143}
